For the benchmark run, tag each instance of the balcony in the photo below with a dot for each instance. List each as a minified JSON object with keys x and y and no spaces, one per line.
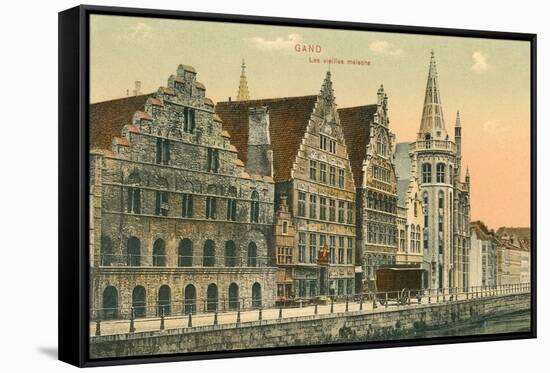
{"x":444,"y":145}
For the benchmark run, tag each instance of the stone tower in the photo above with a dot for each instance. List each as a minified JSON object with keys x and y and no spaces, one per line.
{"x":445,"y":199}
{"x":243,"y":94}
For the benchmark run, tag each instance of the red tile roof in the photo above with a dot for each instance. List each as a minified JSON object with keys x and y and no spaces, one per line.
{"x":168,"y":91}
{"x":109,"y":117}
{"x":288,"y":118}
{"x":356,"y":125}
{"x":133,"y":129}
{"x":144,"y":115}
{"x":121,"y":141}
{"x":155,"y":101}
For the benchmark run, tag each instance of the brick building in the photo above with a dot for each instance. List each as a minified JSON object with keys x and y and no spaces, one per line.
{"x":314,"y":189}
{"x":179,"y":223}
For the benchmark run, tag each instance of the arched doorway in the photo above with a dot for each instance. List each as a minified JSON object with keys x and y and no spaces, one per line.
{"x":190,"y":295}
{"x":164,"y":300}
{"x":233,"y":296}
{"x":256,"y":295}
{"x":110,"y":303}
{"x":230,"y":254}
{"x":209,"y":254}
{"x":212,"y":298}
{"x":139,"y":302}
{"x":252,"y":254}
{"x":159,"y":253}
{"x":185,"y":253}
{"x":134,"y":252}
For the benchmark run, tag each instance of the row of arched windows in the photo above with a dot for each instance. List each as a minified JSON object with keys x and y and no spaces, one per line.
{"x":440,"y":173}
{"x":185,"y":254}
{"x":381,"y":202}
{"x":189,"y":304}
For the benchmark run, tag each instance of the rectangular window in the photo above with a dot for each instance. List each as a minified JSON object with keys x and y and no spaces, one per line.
{"x":322,"y":241}
{"x":313,"y":206}
{"x":323,"y":208}
{"x":301,"y":204}
{"x":313,"y":170}
{"x":312,"y":247}
{"x":323,"y":173}
{"x":211,"y":207}
{"x":301,"y":247}
{"x":350,"y":213}
{"x":161,"y":205}
{"x":284,"y":255}
{"x":134,"y":201}
{"x":322,"y":142}
{"x":350,"y":250}
{"x":187,"y":205}
{"x":341,"y":207}
{"x":163,"y":151}
{"x":341,"y":249}
{"x":332,"y":210}
{"x":341,"y":172}
{"x":340,"y":287}
{"x":302,"y":288}
{"x":231,"y":209}
{"x":188,"y":120}
{"x":332,"y":146}
{"x":213,"y":160}
{"x":332,"y":249}
{"x":332,"y":175}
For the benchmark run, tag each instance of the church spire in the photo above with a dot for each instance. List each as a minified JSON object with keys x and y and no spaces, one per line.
{"x":432,"y":125}
{"x":243,"y":94}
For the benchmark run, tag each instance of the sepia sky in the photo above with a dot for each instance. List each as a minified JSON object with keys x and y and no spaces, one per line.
{"x":487,"y":80}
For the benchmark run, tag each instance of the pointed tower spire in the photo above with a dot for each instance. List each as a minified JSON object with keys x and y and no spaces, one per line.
{"x":432,"y":125}
{"x":467,"y":175}
{"x":326,"y":89}
{"x":243,"y":94}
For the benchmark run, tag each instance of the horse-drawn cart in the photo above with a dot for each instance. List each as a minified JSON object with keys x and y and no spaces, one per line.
{"x":398,"y":284}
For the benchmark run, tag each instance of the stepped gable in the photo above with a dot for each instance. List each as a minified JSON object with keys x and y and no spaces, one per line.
{"x":355,"y":122}
{"x":288,"y":117}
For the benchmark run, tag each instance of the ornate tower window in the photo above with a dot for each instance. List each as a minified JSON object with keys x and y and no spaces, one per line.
{"x":426,"y":173}
{"x":440,"y":171}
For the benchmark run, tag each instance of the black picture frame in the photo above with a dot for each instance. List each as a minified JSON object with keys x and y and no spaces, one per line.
{"x":74,"y":101}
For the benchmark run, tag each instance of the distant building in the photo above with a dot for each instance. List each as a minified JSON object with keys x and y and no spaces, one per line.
{"x":178,"y":223}
{"x":313,"y":181}
{"x":514,"y":259}
{"x":483,"y":256}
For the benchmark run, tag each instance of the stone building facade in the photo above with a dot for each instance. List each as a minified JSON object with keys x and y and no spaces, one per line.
{"x":371,"y":153}
{"x":445,"y":197}
{"x":409,"y":205}
{"x":179,"y":224}
{"x":313,"y":177}
{"x":483,"y":256}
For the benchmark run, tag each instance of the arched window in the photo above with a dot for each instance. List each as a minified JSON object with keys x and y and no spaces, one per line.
{"x":139,"y":301}
{"x":159,"y":253}
{"x":230,"y":254}
{"x":233,"y":296}
{"x":209,"y":254}
{"x":252,"y":255}
{"x":110,"y":303}
{"x":440,"y":171}
{"x":441,"y":200}
{"x":185,"y":253}
{"x":212,"y":298}
{"x":415,"y":204}
{"x":255,"y":207}
{"x":164,"y":303}
{"x":426,"y":173}
{"x":134,"y":252}
{"x":107,"y":256}
{"x":256,"y":295}
{"x":190,"y":295}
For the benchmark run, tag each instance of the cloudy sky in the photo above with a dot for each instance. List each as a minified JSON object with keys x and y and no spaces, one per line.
{"x":487,"y":80}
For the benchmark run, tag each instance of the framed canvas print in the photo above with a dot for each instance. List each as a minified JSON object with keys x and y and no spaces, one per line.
{"x":238,"y":186}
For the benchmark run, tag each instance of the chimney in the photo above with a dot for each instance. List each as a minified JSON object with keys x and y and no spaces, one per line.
{"x":260,"y":153}
{"x":137,"y":88}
